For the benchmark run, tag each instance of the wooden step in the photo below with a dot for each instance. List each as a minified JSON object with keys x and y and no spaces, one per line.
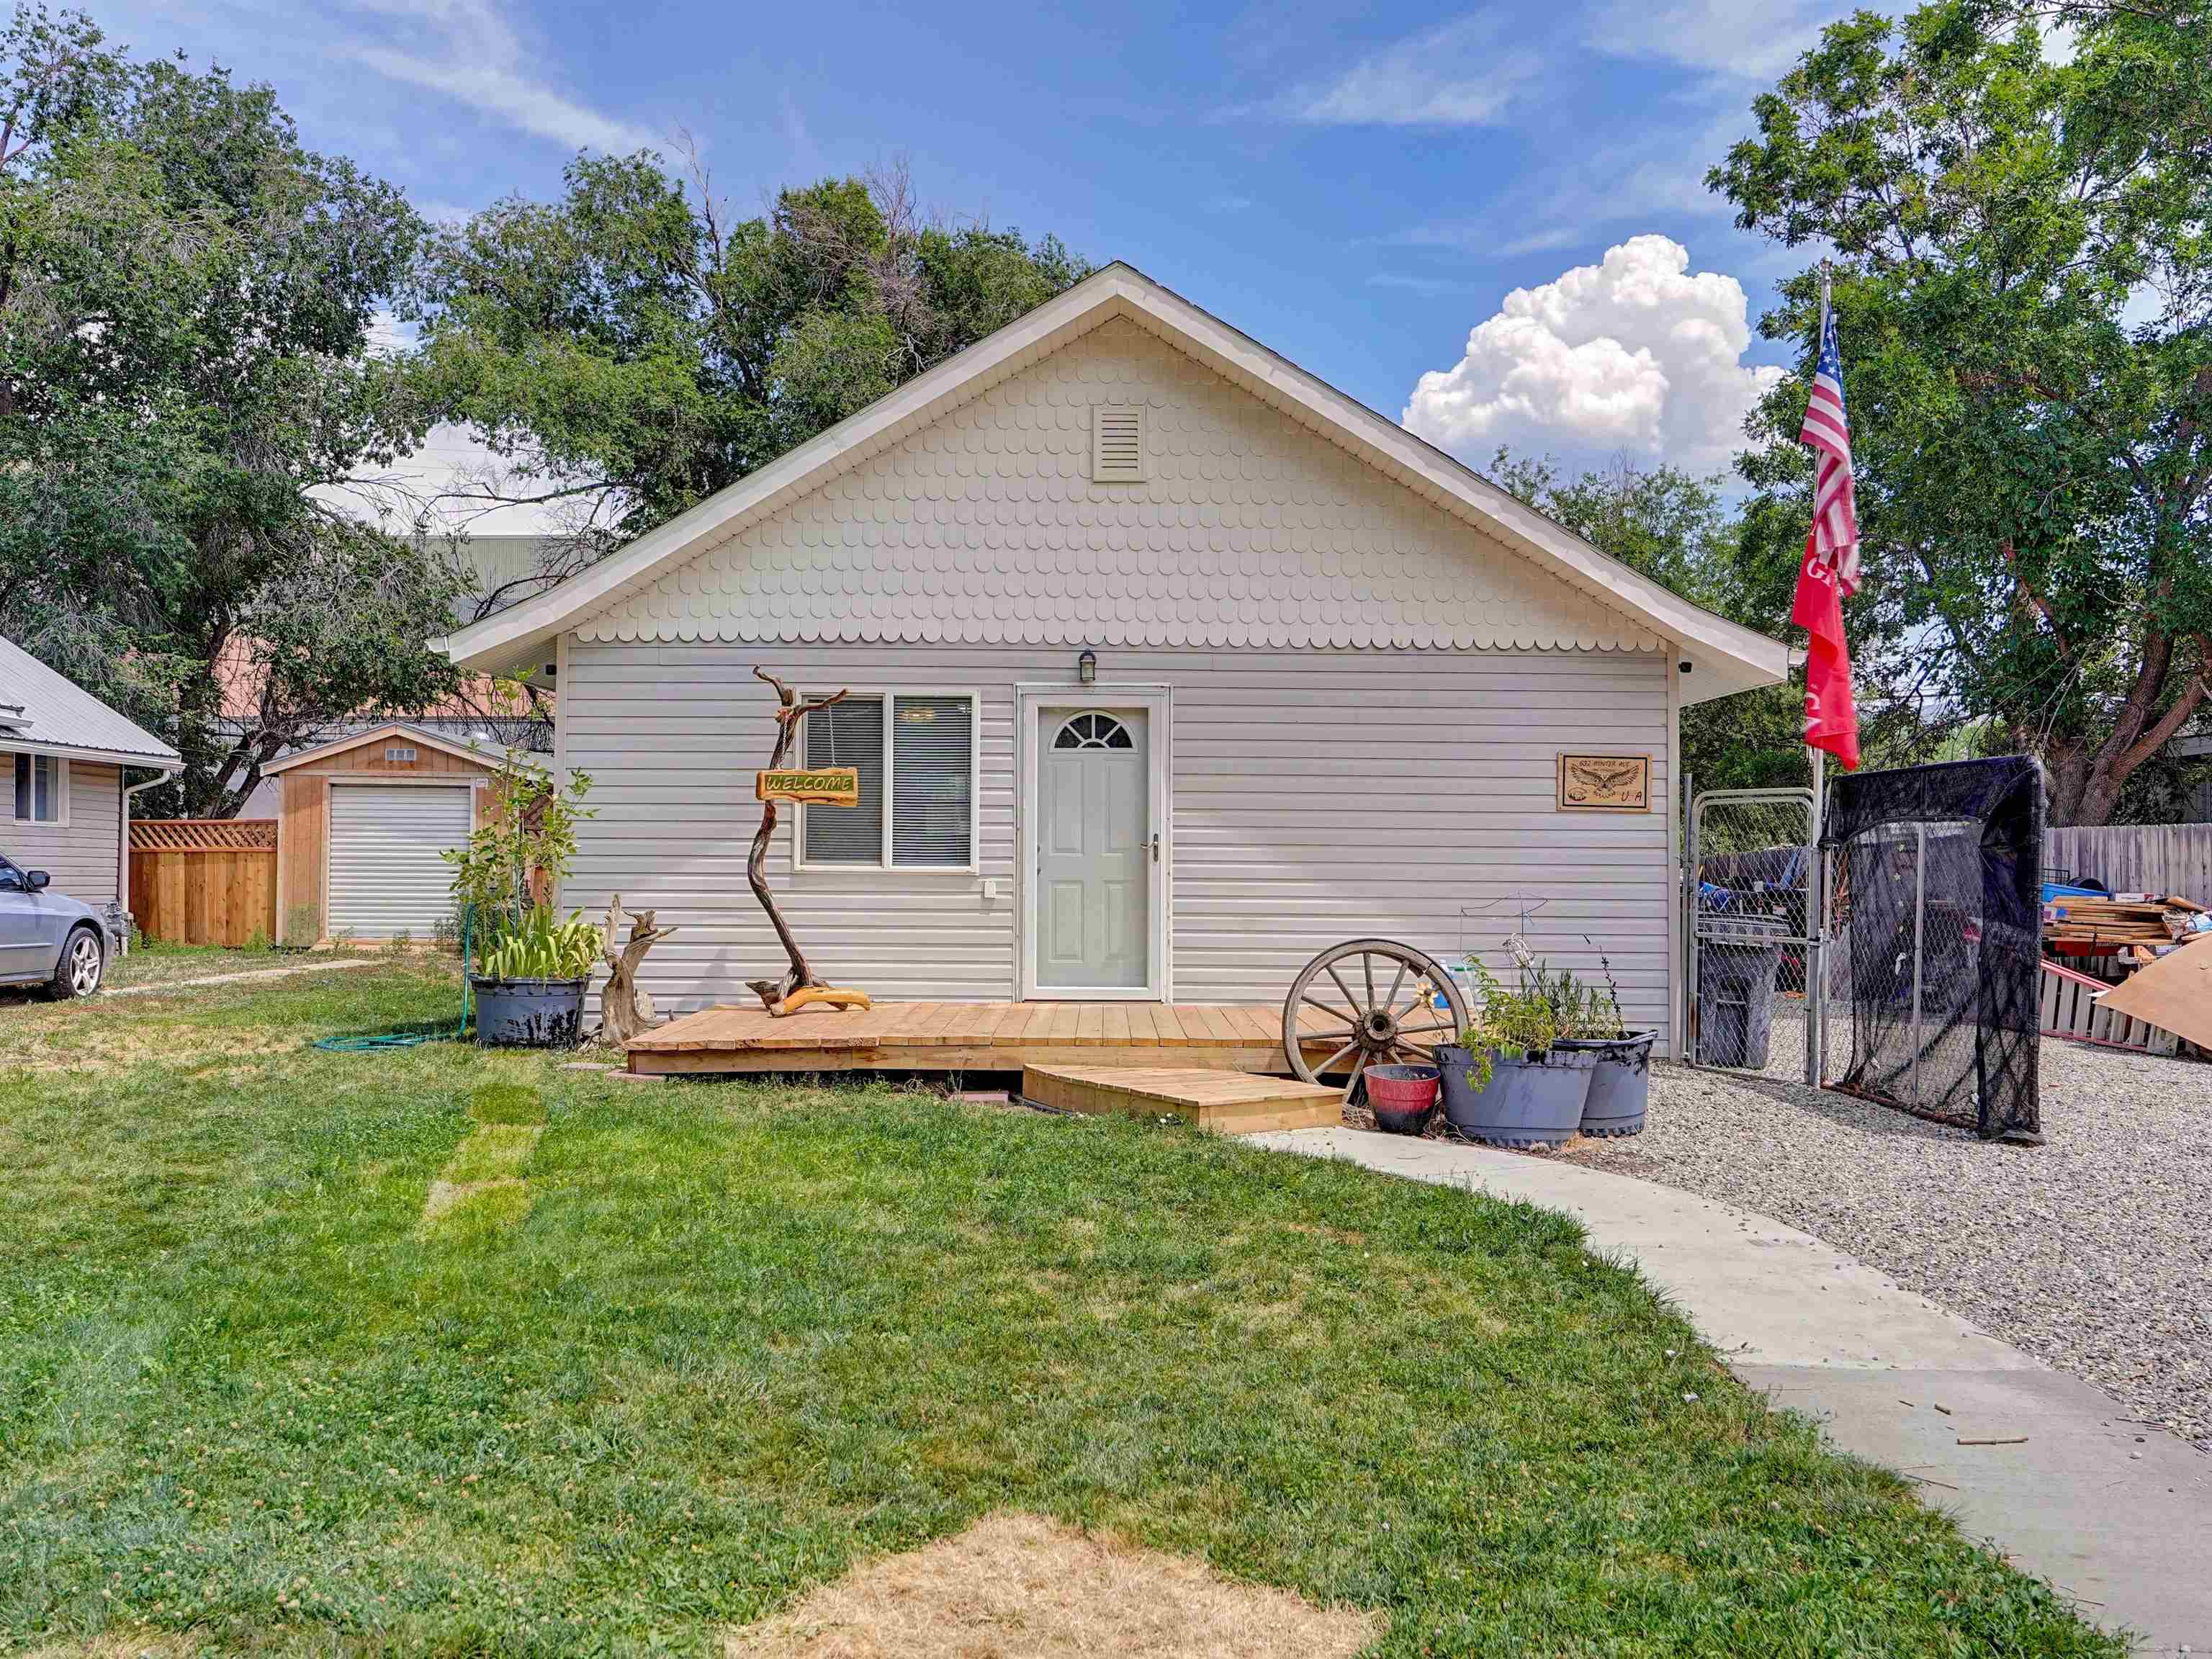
{"x":1229,"y":1103}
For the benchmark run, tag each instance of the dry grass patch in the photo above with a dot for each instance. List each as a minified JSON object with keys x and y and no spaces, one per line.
{"x":124,"y":1644}
{"x":69,"y":1037}
{"x":1020,"y":1587}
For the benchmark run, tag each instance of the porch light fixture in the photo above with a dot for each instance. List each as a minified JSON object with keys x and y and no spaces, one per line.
{"x":1087,"y":668}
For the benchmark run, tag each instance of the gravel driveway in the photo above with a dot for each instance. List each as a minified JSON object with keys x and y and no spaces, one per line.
{"x":2093,"y":1252}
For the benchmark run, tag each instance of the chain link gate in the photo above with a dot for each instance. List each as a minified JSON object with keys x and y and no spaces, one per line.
{"x":1752,"y":897}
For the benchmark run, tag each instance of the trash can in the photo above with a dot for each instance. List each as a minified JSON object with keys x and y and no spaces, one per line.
{"x":1738,"y":958}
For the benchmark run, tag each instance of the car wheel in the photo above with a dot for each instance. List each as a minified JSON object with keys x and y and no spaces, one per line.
{"x":78,"y":973}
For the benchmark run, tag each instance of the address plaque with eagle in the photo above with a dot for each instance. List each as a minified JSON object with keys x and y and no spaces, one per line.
{"x":1605,"y":783}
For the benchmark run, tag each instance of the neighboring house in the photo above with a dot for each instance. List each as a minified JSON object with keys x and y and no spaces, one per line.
{"x":1170,"y":665}
{"x":363,"y":825}
{"x":2196,"y":807}
{"x":66,"y":808}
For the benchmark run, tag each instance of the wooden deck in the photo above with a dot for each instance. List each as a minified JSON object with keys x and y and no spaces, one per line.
{"x":971,"y":1036}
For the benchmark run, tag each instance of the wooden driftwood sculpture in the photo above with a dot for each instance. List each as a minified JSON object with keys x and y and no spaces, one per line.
{"x":800,"y":986}
{"x":625,"y":1009}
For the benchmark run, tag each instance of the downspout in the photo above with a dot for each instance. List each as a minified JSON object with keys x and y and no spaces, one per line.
{"x":123,"y":853}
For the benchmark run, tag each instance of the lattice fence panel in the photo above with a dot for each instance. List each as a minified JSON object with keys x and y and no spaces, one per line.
{"x":204,"y":835}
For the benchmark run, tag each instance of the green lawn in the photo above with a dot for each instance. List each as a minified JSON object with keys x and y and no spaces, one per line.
{"x":696,"y":1347}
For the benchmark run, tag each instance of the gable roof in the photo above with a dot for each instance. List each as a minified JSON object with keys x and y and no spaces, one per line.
{"x":416,"y":734}
{"x":43,"y":713}
{"x":1726,"y":656}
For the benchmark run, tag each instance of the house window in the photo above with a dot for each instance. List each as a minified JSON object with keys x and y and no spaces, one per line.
{"x":41,"y":785}
{"x":915,"y":753}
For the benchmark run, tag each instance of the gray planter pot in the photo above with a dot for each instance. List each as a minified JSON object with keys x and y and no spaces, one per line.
{"x":528,"y":1013}
{"x":1621,"y":1082}
{"x":1529,"y":1103}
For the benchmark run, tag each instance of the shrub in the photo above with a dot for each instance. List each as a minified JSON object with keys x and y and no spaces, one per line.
{"x":522,"y":849}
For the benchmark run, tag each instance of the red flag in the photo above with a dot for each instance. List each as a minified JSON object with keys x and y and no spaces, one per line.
{"x":1830,"y":566}
{"x":1832,"y":715}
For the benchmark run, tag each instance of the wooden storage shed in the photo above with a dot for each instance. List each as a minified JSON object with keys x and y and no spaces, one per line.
{"x":362,"y":825}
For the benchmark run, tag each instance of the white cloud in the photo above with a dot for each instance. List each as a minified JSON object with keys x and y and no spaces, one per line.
{"x":1749,"y":39}
{"x":1636,"y":355}
{"x":1413,"y":284}
{"x":1457,"y":75}
{"x":477,"y":59}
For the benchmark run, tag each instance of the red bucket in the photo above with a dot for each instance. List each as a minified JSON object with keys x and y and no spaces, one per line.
{"x":1401,"y":1097}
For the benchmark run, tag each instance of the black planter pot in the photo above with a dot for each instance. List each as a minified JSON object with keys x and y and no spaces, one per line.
{"x":528,"y":1013}
{"x":1529,"y":1103}
{"x":1621,"y":1082}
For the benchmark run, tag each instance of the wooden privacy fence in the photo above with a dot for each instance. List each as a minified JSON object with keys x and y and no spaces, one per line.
{"x":204,"y":881}
{"x":2135,"y":858}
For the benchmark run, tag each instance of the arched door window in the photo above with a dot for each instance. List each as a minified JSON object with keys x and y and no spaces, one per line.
{"x":1093,"y":730}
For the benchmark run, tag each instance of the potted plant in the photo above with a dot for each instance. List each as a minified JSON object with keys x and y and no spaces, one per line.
{"x":1402,"y":1097}
{"x":1504,"y":1082}
{"x":531,"y":967}
{"x":1620,"y":1080}
{"x":530,"y":989}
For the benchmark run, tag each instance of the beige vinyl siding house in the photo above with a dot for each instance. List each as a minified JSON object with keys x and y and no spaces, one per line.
{"x":62,"y":754}
{"x":1249,"y":671}
{"x":79,"y":846}
{"x":1316,"y":796}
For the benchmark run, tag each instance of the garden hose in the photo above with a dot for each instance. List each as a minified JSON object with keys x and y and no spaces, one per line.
{"x":378,"y":1041}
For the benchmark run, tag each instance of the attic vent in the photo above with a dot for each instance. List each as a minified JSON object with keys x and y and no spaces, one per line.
{"x":1117,"y":444}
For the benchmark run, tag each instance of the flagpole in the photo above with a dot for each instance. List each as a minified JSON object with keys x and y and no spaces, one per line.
{"x":1816,"y":922}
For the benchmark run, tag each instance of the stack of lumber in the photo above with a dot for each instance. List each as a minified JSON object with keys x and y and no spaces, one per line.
{"x":2078,"y":924}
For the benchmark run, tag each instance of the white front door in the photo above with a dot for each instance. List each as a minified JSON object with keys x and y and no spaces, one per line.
{"x":1095,"y":848}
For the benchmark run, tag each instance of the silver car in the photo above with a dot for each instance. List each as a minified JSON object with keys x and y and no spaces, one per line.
{"x":47,"y":938}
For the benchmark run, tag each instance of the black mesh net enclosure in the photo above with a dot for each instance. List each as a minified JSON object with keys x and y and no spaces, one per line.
{"x":1936,"y":927}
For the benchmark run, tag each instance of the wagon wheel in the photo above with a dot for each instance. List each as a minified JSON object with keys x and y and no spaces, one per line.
{"x":1363,"y":998}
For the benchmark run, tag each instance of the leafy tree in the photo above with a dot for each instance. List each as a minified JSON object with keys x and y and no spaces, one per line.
{"x":1676,"y":528}
{"x":184,"y":300}
{"x":2023,"y":283}
{"x":1681,"y":531}
{"x":629,"y":349}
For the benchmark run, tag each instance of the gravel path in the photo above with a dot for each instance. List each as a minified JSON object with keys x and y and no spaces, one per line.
{"x":2093,"y":1252}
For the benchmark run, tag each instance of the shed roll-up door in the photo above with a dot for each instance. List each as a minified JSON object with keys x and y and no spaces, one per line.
{"x":386,"y":876}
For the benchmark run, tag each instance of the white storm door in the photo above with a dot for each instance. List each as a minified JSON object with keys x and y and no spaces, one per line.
{"x":1093,"y":921}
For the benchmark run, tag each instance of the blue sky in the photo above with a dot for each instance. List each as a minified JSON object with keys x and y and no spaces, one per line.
{"x":1361,"y":188}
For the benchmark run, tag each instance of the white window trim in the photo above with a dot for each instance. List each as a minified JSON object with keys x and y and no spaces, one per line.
{"x":883,"y":694}
{"x":60,"y":820}
{"x":1157,"y":701}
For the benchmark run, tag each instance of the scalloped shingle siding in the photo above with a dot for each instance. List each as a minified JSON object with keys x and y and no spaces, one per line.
{"x":984,"y":528}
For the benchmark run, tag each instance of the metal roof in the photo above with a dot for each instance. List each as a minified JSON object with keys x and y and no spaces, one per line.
{"x":41,"y":711}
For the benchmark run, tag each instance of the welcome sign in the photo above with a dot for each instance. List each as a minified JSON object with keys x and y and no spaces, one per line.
{"x":818,"y":786}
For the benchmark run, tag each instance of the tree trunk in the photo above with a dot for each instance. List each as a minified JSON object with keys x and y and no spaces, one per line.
{"x":790,"y":711}
{"x":624,"y":1008}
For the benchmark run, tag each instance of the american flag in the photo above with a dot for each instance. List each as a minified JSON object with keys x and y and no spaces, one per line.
{"x":1828,"y":430}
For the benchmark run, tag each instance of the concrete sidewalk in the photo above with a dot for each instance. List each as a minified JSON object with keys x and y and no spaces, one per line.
{"x":2115,"y":1515}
